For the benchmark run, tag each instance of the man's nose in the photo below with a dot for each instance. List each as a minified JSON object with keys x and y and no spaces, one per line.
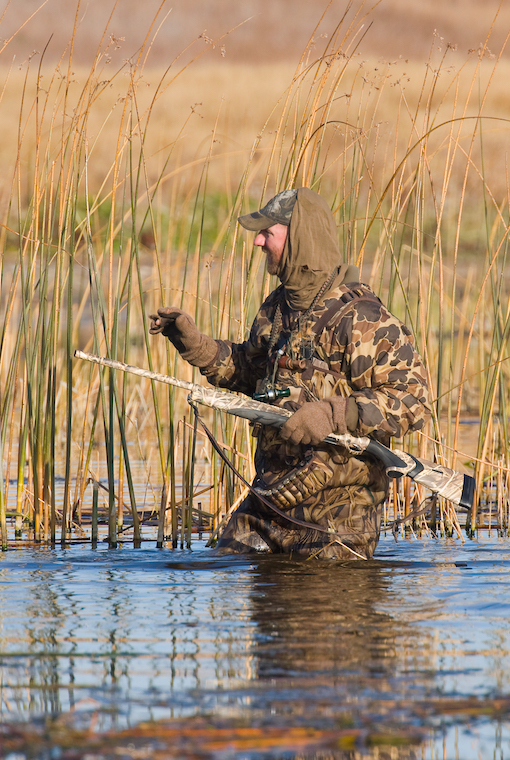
{"x":259,"y":240}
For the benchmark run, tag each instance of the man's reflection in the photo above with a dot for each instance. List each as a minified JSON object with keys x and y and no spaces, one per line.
{"x":328,"y":654}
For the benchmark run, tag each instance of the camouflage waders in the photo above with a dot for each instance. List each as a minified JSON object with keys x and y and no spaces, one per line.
{"x":353,"y":512}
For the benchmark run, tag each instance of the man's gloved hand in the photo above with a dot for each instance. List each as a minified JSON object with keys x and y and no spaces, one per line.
{"x":195,"y":347}
{"x":317,"y":419}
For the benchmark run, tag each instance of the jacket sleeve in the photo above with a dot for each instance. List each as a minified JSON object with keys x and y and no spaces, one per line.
{"x":238,"y":366}
{"x":384,"y":371}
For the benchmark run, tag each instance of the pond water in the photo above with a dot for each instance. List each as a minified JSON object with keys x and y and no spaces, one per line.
{"x":404,"y":656}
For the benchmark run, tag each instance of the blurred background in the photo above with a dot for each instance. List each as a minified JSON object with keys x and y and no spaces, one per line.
{"x":262,"y":30}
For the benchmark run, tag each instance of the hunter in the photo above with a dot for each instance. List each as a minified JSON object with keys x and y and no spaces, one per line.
{"x":324,"y":347}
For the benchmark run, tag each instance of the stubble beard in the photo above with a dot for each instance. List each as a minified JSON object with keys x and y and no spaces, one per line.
{"x":272,"y":265}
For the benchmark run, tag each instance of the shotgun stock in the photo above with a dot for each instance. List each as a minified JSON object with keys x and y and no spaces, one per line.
{"x":452,"y":485}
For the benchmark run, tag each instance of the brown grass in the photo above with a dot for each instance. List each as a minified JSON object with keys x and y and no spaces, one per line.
{"x":237,"y":102}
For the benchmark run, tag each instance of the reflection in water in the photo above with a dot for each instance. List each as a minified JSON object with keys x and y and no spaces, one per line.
{"x":117,"y":631}
{"x":316,"y":620}
{"x":326,"y":648}
{"x":359,"y":650}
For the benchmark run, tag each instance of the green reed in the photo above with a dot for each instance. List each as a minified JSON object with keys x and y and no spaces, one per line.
{"x":91,"y":246}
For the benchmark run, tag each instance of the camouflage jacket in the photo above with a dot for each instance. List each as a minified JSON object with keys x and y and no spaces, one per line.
{"x":349,"y":345}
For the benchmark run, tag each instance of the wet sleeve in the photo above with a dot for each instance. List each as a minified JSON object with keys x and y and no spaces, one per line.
{"x":384,"y":371}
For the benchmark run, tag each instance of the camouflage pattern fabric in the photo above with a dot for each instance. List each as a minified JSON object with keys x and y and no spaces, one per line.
{"x":363,"y":351}
{"x":352,"y":511}
{"x":277,"y":211}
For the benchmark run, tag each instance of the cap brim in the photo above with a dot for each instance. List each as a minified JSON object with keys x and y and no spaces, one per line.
{"x":255,"y":222}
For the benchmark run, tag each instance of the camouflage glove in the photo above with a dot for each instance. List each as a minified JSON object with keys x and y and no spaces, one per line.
{"x":317,"y":419}
{"x":194,"y":347}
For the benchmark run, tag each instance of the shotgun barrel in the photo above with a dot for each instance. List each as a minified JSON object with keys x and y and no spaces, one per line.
{"x":452,"y":485}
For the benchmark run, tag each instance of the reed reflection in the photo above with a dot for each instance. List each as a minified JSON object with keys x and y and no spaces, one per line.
{"x":131,"y":639}
{"x":67,"y":637}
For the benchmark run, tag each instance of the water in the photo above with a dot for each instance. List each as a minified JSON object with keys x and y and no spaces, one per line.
{"x":409,"y":652}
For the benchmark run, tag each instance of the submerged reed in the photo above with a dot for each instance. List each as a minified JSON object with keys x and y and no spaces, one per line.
{"x":110,"y":212}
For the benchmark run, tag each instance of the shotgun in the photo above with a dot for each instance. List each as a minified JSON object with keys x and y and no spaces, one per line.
{"x":450,"y":484}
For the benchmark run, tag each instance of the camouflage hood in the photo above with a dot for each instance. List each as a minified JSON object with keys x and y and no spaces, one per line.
{"x":311,"y":252}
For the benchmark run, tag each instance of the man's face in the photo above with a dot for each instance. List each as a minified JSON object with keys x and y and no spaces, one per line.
{"x":272,"y":242}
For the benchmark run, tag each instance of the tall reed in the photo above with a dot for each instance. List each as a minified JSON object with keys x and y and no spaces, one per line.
{"x":109,"y":216}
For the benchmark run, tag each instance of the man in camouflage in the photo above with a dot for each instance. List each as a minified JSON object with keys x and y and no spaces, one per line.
{"x":324,"y":347}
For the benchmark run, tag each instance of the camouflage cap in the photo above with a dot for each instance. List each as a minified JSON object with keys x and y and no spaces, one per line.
{"x":277,"y":211}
